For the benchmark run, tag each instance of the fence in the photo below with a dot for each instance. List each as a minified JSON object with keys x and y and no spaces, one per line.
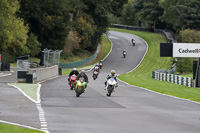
{"x":167,"y":34}
{"x":50,"y":57}
{"x":80,"y":63}
{"x":176,"y":79}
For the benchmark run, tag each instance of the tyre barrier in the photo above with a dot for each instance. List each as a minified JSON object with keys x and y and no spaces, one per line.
{"x":176,"y":79}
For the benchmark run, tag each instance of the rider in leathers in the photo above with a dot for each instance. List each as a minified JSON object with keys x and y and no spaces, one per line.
{"x":74,"y":71}
{"x":111,"y":75}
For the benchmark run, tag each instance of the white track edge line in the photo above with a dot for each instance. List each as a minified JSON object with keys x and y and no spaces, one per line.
{"x":23,"y":93}
{"x":148,"y":89}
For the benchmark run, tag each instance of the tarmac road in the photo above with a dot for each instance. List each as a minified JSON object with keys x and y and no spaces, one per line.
{"x":14,"y":106}
{"x":129,"y":109}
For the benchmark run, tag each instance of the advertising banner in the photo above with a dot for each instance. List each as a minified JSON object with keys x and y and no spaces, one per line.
{"x":186,"y":49}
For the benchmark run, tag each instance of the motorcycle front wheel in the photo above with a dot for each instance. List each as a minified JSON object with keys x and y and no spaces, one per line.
{"x":109,"y":91}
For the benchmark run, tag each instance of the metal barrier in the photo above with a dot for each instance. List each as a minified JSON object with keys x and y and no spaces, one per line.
{"x":167,"y":34}
{"x":80,"y":63}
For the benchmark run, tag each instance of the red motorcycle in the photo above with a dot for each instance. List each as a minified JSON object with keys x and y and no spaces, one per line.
{"x":72,"y":81}
{"x":95,"y":74}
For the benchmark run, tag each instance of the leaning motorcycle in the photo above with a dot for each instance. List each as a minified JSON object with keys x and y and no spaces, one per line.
{"x":111,"y":85}
{"x":72,"y":81}
{"x":80,"y":87}
{"x":95,"y":74}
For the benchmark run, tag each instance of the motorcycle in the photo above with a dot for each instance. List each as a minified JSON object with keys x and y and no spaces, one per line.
{"x":80,"y":87}
{"x":72,"y":81}
{"x":95,"y":74}
{"x":133,"y":42}
{"x":111,"y":85}
{"x":124,"y":54}
{"x":100,"y":65}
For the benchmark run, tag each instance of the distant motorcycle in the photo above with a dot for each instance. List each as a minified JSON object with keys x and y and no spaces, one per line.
{"x":111,"y":85}
{"x":72,"y":81}
{"x":133,"y":42}
{"x":100,"y":65}
{"x":124,"y":54}
{"x":95,"y":74}
{"x":80,"y":87}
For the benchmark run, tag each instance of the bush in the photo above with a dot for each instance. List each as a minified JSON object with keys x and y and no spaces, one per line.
{"x":185,"y":65}
{"x":190,"y":36}
{"x":187,"y":36}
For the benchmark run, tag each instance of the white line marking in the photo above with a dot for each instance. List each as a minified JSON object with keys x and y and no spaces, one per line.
{"x":38,"y":105}
{"x":151,"y":90}
{"x":6,"y":75}
{"x":23,"y":93}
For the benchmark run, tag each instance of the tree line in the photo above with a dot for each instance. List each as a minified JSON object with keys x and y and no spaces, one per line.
{"x":181,"y":17}
{"x":28,"y":26}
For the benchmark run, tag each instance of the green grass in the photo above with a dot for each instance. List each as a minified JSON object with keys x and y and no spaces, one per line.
{"x":104,"y":50}
{"x":28,"y":89}
{"x":72,"y":58}
{"x":142,"y":76}
{"x":4,"y":128}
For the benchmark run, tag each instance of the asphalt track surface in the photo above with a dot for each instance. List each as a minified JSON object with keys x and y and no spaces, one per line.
{"x":14,"y":106}
{"x":129,"y":110}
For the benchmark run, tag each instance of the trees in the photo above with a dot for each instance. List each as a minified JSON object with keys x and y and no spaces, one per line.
{"x":52,"y":21}
{"x":13,"y":33}
{"x":189,"y":15}
{"x":48,"y":19}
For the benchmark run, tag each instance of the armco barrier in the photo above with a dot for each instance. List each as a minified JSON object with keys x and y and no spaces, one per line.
{"x":176,"y":79}
{"x":80,"y":63}
{"x":40,"y":74}
{"x":167,"y":34}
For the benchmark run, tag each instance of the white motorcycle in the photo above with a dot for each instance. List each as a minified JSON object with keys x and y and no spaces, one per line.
{"x":111,"y":85}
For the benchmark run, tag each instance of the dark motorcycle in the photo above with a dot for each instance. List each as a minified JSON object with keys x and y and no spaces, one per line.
{"x":124,"y":54}
{"x":133,"y":42}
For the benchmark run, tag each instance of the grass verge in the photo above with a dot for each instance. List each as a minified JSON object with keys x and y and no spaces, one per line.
{"x":5,"y":128}
{"x":29,"y":89}
{"x":103,"y":52}
{"x":142,"y":76}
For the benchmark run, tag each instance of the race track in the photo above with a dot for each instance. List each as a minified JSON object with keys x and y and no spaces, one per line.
{"x":129,"y":109}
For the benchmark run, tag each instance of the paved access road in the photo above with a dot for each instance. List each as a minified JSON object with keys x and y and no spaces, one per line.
{"x":128,"y":110}
{"x":14,"y":106}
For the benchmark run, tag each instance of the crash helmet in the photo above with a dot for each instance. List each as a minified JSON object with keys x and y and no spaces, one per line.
{"x":82,"y":72}
{"x":74,"y":69}
{"x":112,"y":72}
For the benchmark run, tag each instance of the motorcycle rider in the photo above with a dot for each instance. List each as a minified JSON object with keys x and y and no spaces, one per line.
{"x":82,"y":74}
{"x":124,"y":52}
{"x":111,"y":75}
{"x":96,"y":68}
{"x":100,"y":64}
{"x":74,"y":71}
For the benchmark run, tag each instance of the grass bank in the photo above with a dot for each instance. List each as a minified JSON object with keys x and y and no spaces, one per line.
{"x":103,"y":52}
{"x":142,"y":76}
{"x":4,"y":128}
